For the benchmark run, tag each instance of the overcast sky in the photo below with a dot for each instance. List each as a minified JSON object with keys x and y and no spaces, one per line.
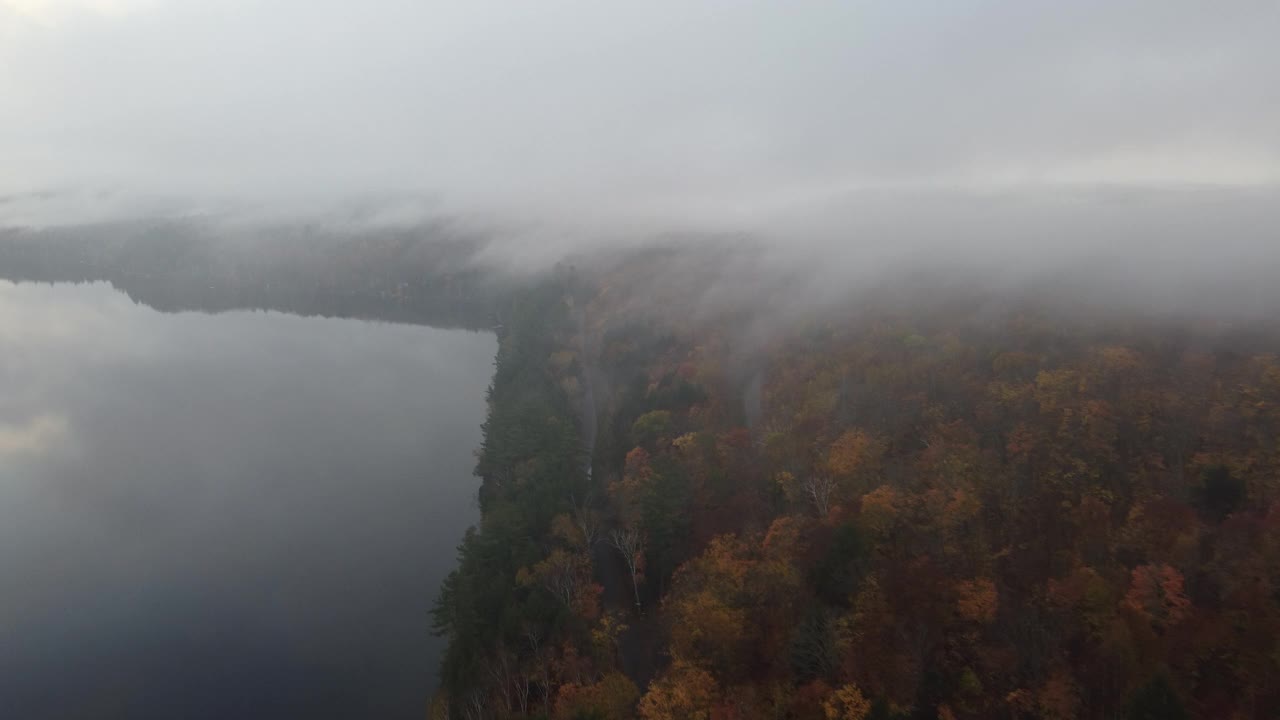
{"x":718,"y":115}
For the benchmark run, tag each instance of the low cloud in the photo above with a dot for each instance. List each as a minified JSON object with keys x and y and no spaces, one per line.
{"x":1134,"y":147}
{"x":33,"y":436}
{"x":663,"y":116}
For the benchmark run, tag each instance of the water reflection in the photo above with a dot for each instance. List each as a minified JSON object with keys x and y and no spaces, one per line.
{"x":240,"y":515}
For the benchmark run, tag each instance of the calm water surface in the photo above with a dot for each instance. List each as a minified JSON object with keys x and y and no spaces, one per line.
{"x":225,"y":516}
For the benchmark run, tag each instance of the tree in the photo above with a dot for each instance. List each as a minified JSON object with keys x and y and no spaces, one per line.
{"x":1220,"y":493}
{"x":566,"y":575}
{"x":587,"y":520}
{"x":819,"y":489}
{"x":707,"y":601}
{"x":651,"y":426}
{"x":1058,"y":698}
{"x":977,"y":600}
{"x":604,"y":637}
{"x":840,"y":568}
{"x":816,"y":491}
{"x":612,"y":698}
{"x":685,"y":692}
{"x":880,"y":509}
{"x":1156,"y":701}
{"x":814,"y":653}
{"x":630,"y":544}
{"x":1156,"y":594}
{"x":850,"y":453}
{"x":847,"y":703}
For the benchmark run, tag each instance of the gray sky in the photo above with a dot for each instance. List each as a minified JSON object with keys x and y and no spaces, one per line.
{"x":708,"y":115}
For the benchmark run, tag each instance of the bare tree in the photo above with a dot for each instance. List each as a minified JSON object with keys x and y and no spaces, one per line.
{"x":561,"y":576}
{"x":588,"y":522}
{"x":630,"y":544}
{"x":523,"y":683}
{"x":477,"y":706}
{"x":820,"y":488}
{"x":535,"y":636}
{"x":499,"y":669}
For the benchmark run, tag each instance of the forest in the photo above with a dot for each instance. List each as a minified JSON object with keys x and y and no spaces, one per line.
{"x":959,"y":507}
{"x":425,"y":276}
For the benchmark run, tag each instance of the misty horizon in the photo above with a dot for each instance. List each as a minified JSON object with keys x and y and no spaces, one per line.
{"x":733,"y":118}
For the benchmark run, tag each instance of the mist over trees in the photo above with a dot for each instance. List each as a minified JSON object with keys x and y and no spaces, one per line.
{"x":950,"y":502}
{"x":709,"y":491}
{"x":856,"y":360}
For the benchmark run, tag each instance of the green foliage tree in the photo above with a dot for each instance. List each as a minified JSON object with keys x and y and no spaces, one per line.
{"x":1156,"y":701}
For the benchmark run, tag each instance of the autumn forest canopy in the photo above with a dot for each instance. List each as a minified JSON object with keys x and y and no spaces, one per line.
{"x":932,"y":502}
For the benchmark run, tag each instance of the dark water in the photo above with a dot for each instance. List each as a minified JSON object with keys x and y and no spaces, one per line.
{"x":225,"y":516}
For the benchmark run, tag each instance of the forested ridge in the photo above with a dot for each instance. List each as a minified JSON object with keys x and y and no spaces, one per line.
{"x":873,"y":511}
{"x":424,"y":276}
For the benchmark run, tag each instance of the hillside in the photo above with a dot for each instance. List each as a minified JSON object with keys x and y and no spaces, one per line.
{"x":945,"y":503}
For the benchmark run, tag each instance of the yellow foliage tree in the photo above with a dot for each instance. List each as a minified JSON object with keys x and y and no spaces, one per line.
{"x":613,"y":698}
{"x":847,"y":703}
{"x":849,"y":453}
{"x":879,"y":509}
{"x":684,"y":693}
{"x":978,"y":600}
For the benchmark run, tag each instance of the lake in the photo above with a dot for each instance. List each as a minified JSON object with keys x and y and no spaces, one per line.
{"x":226,"y":516}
